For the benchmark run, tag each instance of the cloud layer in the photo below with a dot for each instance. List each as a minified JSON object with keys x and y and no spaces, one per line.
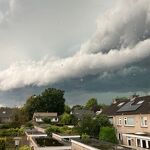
{"x":121,"y":39}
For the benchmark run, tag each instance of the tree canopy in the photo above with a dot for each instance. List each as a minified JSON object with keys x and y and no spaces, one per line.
{"x":91,"y":103}
{"x":51,"y":100}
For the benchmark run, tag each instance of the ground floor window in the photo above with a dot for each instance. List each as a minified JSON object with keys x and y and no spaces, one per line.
{"x":138,"y":143}
{"x":148,"y":144}
{"x":144,"y":143}
{"x":129,"y":141}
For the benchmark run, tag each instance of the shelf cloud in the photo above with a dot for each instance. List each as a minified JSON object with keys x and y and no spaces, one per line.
{"x":122,"y":38}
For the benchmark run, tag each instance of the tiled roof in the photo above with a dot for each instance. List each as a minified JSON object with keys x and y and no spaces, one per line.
{"x":80,"y":113}
{"x":136,"y":105}
{"x":45,"y":114}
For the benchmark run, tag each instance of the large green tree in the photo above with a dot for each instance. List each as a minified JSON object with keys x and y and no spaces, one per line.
{"x":92,"y":126}
{"x":51,"y":100}
{"x":91,"y":104}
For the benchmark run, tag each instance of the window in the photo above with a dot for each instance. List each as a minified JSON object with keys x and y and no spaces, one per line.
{"x":129,"y":121}
{"x":120,"y":104}
{"x":119,"y":121}
{"x":138,"y":143}
{"x":140,"y":102}
{"x":144,"y":121}
{"x":129,"y":141}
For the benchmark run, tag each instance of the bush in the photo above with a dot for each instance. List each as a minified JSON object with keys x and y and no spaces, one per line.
{"x":52,"y":129}
{"x":25,"y":147}
{"x":108,"y":134}
{"x":2,"y":143}
{"x":47,"y":120}
{"x":29,"y":125}
{"x":85,"y":138}
{"x":12,"y":132}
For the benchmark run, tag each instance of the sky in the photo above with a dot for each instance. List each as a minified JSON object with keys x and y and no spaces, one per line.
{"x":88,"y":48}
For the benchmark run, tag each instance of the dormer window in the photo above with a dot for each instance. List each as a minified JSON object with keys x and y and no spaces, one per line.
{"x":120,"y":104}
{"x":140,"y":102}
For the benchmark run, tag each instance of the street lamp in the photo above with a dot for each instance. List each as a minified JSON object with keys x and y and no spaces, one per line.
{"x":17,"y":142}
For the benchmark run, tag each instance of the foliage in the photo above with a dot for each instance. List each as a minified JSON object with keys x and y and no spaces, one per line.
{"x":85,"y":125}
{"x":67,"y":109}
{"x":19,"y":118}
{"x":73,"y":120}
{"x":77,"y":107}
{"x":51,"y":100}
{"x":85,"y":138}
{"x":65,"y":119}
{"x":91,"y":104}
{"x":108,"y":134}
{"x":47,"y":141}
{"x":103,"y":121}
{"x":68,"y":119}
{"x":11,"y":132}
{"x":53,"y":129}
{"x":47,"y":120}
{"x":92,"y":126}
{"x":25,"y":147}
{"x":29,"y":125}
{"x":2,"y":143}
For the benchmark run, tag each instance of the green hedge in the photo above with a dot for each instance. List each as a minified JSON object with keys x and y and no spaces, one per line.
{"x":2,"y":143}
{"x":11,"y":132}
{"x":108,"y":134}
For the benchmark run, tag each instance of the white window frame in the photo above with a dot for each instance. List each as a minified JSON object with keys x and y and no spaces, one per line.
{"x":126,"y":122}
{"x":143,"y":123}
{"x":119,"y":121}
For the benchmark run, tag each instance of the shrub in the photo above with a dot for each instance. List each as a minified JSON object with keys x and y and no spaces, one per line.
{"x":12,"y":132}
{"x":85,"y":138}
{"x":108,"y":134}
{"x":52,"y":129}
{"x":2,"y":143}
{"x":47,"y":120}
{"x":25,"y":147}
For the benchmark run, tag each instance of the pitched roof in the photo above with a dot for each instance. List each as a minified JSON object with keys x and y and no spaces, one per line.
{"x":136,"y":105}
{"x":80,"y":113}
{"x":45,"y":114}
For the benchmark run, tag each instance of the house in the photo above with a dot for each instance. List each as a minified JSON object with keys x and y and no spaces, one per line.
{"x":131,"y":118}
{"x":6,"y":114}
{"x":80,"y":113}
{"x":39,"y":116}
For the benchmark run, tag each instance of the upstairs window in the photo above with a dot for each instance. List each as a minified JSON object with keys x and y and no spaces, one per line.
{"x":140,"y":102}
{"x":144,"y":122}
{"x":119,"y":121}
{"x":120,"y":104}
{"x":129,"y":121}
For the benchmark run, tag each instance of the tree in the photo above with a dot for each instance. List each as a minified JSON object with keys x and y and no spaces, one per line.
{"x":91,"y":104}
{"x":79,"y":107}
{"x":99,"y":122}
{"x":67,"y":109}
{"x":92,"y":126}
{"x":85,"y":125}
{"x":51,"y":100}
{"x":108,"y":134}
{"x":65,"y":118}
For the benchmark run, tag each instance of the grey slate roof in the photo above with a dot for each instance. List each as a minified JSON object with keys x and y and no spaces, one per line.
{"x":136,"y":105}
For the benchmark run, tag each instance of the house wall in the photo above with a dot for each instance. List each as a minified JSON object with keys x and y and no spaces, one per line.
{"x":131,"y":129}
{"x":122,"y":129}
